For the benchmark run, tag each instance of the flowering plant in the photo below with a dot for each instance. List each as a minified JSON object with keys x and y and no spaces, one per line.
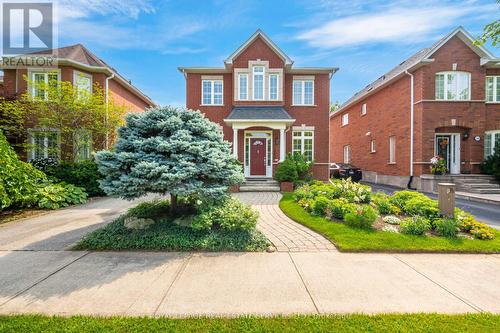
{"x":438,"y":165}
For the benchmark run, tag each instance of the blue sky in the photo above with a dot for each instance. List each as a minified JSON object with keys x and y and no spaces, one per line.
{"x":147,"y":40}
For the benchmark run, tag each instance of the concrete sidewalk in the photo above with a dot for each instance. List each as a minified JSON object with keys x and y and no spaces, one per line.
{"x":180,"y":284}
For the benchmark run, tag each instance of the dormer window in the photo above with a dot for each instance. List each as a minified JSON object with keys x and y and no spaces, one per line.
{"x":258,"y":83}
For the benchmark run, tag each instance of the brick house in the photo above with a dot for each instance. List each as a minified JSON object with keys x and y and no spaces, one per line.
{"x":443,"y":100}
{"x":266,"y":107}
{"x":75,"y":64}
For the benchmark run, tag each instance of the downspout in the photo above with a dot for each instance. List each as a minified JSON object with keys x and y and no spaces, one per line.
{"x":107,"y":108}
{"x":411,"y":129}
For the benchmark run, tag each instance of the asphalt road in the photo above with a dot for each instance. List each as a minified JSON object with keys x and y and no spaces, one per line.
{"x":484,"y":212}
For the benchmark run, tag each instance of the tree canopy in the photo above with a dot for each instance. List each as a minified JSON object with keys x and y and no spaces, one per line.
{"x":169,"y":150}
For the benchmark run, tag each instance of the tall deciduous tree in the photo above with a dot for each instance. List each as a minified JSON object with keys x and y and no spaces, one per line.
{"x":169,"y":150}
{"x":490,"y":32}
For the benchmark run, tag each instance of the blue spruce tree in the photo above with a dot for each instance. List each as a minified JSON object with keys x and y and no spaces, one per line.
{"x":169,"y":150}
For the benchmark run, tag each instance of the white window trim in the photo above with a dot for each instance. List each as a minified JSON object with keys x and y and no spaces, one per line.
{"x":239,"y":87}
{"x":31,"y":131}
{"x":46,"y":72}
{"x":212,"y":92}
{"x":347,"y":154}
{"x":263,"y":83}
{"x":492,"y":133}
{"x":445,"y":82}
{"x":496,"y":78}
{"x":78,"y":74}
{"x":303,"y":92}
{"x":373,"y":146}
{"x":302,"y":138}
{"x":363,"y":109}
{"x":392,"y":150}
{"x":345,"y":117}
{"x":277,"y":86}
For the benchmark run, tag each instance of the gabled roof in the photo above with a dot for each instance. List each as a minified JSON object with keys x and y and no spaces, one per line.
{"x":80,"y":57}
{"x":267,"y":40}
{"x":418,"y":59}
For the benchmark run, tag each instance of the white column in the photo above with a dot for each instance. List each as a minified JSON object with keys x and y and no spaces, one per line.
{"x":235,"y":143}
{"x":282,"y":145}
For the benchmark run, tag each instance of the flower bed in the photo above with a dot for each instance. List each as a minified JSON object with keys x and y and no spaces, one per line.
{"x":355,"y":219}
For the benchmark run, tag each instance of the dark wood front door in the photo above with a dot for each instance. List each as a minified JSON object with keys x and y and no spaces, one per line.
{"x":257,"y":157}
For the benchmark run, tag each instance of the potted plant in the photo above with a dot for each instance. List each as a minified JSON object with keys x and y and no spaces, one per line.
{"x":295,"y":168}
{"x":438,"y":166}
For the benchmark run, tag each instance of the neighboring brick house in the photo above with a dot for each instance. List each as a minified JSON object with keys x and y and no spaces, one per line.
{"x":75,"y":64}
{"x":266,"y":107}
{"x":450,"y":90}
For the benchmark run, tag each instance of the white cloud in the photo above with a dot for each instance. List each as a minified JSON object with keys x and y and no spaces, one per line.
{"x":82,"y":8}
{"x":396,"y":24}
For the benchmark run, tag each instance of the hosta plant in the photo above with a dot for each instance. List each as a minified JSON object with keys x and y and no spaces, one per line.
{"x":55,"y":196}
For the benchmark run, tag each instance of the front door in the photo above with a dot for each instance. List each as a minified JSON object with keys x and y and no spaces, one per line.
{"x":448,"y":147}
{"x":258,"y":157}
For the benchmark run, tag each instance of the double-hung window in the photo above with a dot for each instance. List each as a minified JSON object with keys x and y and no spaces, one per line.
{"x":273,"y":87}
{"x":258,"y":83}
{"x":43,"y":144}
{"x":42,"y":83}
{"x":211,"y":92}
{"x":453,"y":86}
{"x":493,"y":89}
{"x":303,"y":142}
{"x":243,"y":87}
{"x":491,"y":141}
{"x":83,"y":84}
{"x":303,"y":92}
{"x":347,"y":154}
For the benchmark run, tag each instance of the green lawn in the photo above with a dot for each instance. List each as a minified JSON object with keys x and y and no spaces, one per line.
{"x":355,"y":240}
{"x":334,"y":323}
{"x":166,"y":236}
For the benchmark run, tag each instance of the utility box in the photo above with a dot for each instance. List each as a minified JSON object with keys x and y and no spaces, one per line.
{"x":446,"y":199}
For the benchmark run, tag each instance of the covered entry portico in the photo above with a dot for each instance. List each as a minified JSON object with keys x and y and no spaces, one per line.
{"x":258,"y":124}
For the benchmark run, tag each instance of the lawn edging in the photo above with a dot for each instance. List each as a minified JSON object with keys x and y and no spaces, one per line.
{"x":348,"y":239}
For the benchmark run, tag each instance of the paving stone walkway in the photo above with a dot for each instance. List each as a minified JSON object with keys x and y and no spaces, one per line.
{"x":285,"y":234}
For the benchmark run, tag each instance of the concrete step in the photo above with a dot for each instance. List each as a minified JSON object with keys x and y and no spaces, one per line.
{"x":244,"y":188}
{"x":261,"y":183}
{"x":476,"y":181}
{"x":480,"y":185}
{"x":483,"y":190}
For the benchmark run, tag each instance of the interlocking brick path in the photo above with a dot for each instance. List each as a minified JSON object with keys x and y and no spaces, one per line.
{"x":285,"y":234}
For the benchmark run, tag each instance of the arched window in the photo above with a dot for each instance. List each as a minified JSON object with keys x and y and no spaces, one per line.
{"x":453,"y":86}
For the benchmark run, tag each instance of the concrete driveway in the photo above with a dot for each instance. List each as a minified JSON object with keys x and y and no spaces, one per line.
{"x":37,"y":275}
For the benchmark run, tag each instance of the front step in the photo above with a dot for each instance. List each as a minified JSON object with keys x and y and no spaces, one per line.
{"x":482,"y":190}
{"x":483,"y":184}
{"x":260,"y":185}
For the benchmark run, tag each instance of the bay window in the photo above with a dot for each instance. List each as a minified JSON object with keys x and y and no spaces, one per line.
{"x":453,"y":86}
{"x":211,"y":92}
{"x":258,"y":83}
{"x":303,"y":142}
{"x":303,"y":92}
{"x":493,"y":89}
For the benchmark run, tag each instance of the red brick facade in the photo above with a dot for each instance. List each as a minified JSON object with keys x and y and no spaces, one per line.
{"x":388,"y":114}
{"x":311,"y":116}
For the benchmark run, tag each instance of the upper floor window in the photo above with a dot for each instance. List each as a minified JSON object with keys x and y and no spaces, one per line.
{"x":373,"y":148}
{"x":212,"y":92}
{"x":83,"y":83}
{"x":303,"y":142}
{"x":42,"y":82}
{"x":345,"y":119}
{"x":303,"y":92}
{"x":491,"y":141}
{"x":243,"y":86}
{"x":258,"y":82}
{"x":493,"y":89}
{"x":43,"y":144}
{"x":363,"y":109}
{"x":453,"y":86}
{"x":273,"y":87}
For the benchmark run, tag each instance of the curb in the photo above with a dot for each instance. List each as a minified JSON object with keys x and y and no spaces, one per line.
{"x":483,"y":200}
